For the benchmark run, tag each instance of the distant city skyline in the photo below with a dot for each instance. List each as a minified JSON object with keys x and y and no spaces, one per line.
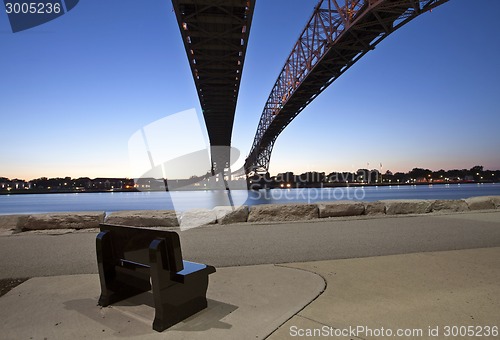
{"x":477,"y":169}
{"x":75,"y":90}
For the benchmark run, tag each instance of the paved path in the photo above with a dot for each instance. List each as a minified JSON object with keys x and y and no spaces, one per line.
{"x":414,"y":293}
{"x":365,"y":298}
{"x":27,"y":255}
{"x":422,"y":292}
{"x":243,"y":303}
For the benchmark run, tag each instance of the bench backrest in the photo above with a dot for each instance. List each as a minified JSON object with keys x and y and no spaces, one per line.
{"x":132,"y":244}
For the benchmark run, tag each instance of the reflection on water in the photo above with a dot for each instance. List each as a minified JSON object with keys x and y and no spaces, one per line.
{"x":115,"y":201}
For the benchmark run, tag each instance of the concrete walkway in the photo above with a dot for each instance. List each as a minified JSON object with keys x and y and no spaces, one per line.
{"x":416,"y":293}
{"x":413,"y":292}
{"x":244,"y":303}
{"x":362,"y":297}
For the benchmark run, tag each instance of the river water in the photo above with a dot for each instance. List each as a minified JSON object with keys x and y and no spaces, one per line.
{"x":184,"y":200}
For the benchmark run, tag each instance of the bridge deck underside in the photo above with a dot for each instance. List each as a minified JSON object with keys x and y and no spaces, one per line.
{"x":215,"y":35}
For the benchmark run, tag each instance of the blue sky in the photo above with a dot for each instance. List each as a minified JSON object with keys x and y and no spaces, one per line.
{"x":73,"y":91}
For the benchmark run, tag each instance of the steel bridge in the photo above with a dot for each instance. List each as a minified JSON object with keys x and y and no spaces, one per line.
{"x":337,"y":35}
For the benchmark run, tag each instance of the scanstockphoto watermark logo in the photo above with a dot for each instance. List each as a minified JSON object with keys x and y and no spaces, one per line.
{"x":172,"y":154}
{"x":310,"y":195}
{"x":26,"y":14}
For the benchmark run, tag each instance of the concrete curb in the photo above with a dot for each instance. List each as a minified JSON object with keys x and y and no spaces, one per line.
{"x":256,"y":213}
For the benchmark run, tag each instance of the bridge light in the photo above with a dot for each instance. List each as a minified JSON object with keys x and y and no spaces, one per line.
{"x":185,"y":26}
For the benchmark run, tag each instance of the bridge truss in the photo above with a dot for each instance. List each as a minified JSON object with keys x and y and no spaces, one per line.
{"x":338,"y":34}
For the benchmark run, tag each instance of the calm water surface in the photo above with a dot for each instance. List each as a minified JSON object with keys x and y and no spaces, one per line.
{"x":183,"y":200}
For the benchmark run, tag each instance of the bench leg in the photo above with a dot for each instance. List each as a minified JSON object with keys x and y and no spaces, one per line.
{"x":174,"y":301}
{"x":105,"y":266}
{"x":116,"y":284}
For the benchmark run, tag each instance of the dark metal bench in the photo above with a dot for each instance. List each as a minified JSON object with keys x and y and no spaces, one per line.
{"x":128,"y":258}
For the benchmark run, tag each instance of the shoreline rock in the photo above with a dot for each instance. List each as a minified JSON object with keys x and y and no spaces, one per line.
{"x":404,"y":207}
{"x":197,"y":218}
{"x":480,"y":203}
{"x":73,"y":220}
{"x":143,"y":218}
{"x":449,"y":206}
{"x":228,"y":215}
{"x":375,"y":208}
{"x":282,"y":212}
{"x":341,"y":208}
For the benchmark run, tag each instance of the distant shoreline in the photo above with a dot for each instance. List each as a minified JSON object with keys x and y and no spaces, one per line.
{"x":36,"y":192}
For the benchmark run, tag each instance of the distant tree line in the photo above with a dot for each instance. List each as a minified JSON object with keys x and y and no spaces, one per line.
{"x":476,"y":174}
{"x":66,"y":184}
